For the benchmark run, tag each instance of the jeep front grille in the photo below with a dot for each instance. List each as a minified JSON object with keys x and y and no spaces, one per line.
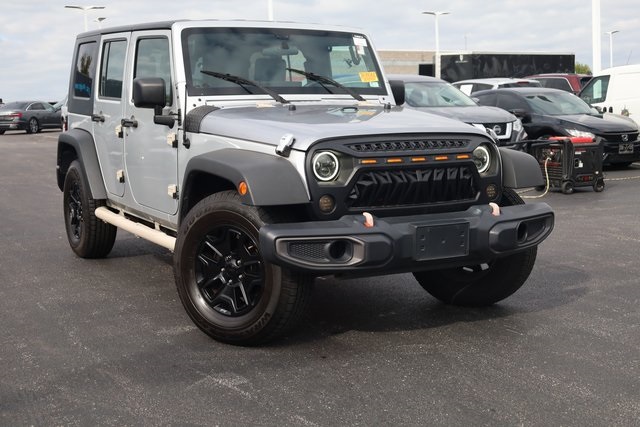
{"x":408,"y":145}
{"x":413,"y":187}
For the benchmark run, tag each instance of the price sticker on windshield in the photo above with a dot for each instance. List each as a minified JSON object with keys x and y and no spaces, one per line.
{"x":368,"y":76}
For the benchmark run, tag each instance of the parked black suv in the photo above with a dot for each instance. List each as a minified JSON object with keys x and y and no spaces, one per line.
{"x":553,"y":112}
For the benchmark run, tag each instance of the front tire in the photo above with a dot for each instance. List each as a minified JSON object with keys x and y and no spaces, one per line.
{"x":225,"y":285}
{"x":88,"y":236}
{"x":483,"y":284}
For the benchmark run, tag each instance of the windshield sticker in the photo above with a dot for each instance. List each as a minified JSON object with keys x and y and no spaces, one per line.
{"x":368,"y":76}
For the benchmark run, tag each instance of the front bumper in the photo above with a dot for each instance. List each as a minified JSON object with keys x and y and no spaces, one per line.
{"x":402,"y":244}
{"x":612,"y":152}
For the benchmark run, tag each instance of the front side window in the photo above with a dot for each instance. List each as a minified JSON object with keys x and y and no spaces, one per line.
{"x":112,"y":68}
{"x":596,"y":90}
{"x":153,"y":60}
{"x":265,"y":56}
{"x":84,"y":70}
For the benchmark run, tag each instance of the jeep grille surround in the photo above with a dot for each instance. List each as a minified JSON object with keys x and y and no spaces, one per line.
{"x":382,"y":188}
{"x":406,"y":174}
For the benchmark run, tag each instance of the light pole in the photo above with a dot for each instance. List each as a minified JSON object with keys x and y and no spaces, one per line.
{"x":270,"y":9}
{"x":436,"y":62}
{"x":84,"y":9}
{"x":611,"y":33}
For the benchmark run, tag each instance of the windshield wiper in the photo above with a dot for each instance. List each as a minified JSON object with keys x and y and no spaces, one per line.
{"x":326,"y":80}
{"x":242,"y":82}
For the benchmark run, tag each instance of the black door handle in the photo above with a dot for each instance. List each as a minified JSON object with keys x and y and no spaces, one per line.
{"x":97,"y":118}
{"x":126,"y":123}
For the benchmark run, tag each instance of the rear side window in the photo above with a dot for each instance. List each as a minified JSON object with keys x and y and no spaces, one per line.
{"x":556,"y":83}
{"x":112,"y":68}
{"x":153,"y":60}
{"x":510,"y":102}
{"x":84,"y":70}
{"x":489,"y":99}
{"x":480,"y":86}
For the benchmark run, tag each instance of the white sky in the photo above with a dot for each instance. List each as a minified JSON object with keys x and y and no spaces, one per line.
{"x":36,"y":36}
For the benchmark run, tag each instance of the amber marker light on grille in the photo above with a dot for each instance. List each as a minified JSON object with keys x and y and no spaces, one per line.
{"x":463,"y":157}
{"x":368,"y":161}
{"x":441,"y":158}
{"x":418,"y":159}
{"x":394,"y":160}
{"x":243,"y":188}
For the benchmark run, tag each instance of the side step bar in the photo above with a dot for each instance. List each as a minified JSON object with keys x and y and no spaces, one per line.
{"x":140,"y":230}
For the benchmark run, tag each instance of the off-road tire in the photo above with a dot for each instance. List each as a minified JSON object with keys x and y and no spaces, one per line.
{"x":225,"y":285}
{"x":88,"y":236}
{"x":485,"y":284}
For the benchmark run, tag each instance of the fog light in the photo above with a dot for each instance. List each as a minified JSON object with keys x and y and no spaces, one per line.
{"x":492,"y":191}
{"x":326,"y":204}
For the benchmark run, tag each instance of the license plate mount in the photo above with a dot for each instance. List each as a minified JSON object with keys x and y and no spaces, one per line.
{"x":441,"y":241}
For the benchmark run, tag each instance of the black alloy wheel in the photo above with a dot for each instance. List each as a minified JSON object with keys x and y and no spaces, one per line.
{"x":229,"y":271}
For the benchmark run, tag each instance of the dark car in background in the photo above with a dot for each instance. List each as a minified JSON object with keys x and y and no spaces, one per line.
{"x":436,"y":96}
{"x":553,"y":112}
{"x":569,"y":82}
{"x":31,"y":116}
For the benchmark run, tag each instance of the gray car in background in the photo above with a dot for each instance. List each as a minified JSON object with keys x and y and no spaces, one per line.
{"x":436,"y":96}
{"x":31,"y":116}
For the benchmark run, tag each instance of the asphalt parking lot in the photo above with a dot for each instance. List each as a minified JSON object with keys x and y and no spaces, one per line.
{"x":107,"y":342}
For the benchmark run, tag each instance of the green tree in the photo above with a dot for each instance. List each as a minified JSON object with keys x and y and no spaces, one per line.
{"x":582,"y":68}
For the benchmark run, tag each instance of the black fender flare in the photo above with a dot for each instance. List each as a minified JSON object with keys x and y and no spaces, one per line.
{"x":520,"y":169}
{"x":271,"y":180}
{"x":81,"y":142}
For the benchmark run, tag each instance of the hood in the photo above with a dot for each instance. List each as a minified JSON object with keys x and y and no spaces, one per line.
{"x":472,"y":114}
{"x":313,"y":122}
{"x":599,"y":124}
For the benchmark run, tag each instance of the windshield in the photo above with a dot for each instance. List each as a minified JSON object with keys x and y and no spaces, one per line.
{"x":264,"y":54}
{"x":435,"y":94}
{"x":557,"y":103}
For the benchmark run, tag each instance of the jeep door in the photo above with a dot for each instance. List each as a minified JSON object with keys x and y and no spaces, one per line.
{"x":109,"y":109}
{"x":151,"y":162}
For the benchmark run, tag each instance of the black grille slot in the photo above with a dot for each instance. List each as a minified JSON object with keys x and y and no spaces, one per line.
{"x":313,"y":251}
{"x":408,"y":145}
{"x":412,"y":187}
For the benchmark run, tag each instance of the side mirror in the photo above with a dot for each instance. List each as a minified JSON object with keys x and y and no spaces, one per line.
{"x":150,"y":92}
{"x":397,"y":89}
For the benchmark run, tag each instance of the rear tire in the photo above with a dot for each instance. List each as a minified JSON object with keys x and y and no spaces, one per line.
{"x":230,"y":292}
{"x":88,"y":236}
{"x":33,"y":126}
{"x":483,"y":284}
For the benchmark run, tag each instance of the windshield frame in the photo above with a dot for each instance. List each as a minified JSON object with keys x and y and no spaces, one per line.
{"x":243,"y":46}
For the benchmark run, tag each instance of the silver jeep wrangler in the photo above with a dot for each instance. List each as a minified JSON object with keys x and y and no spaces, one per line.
{"x":266,"y":154}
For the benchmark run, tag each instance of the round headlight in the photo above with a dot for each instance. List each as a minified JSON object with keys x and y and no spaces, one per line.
{"x":325,"y":166}
{"x":482,"y":158}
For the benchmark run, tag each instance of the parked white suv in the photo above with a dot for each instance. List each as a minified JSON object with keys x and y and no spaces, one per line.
{"x":474,"y":85}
